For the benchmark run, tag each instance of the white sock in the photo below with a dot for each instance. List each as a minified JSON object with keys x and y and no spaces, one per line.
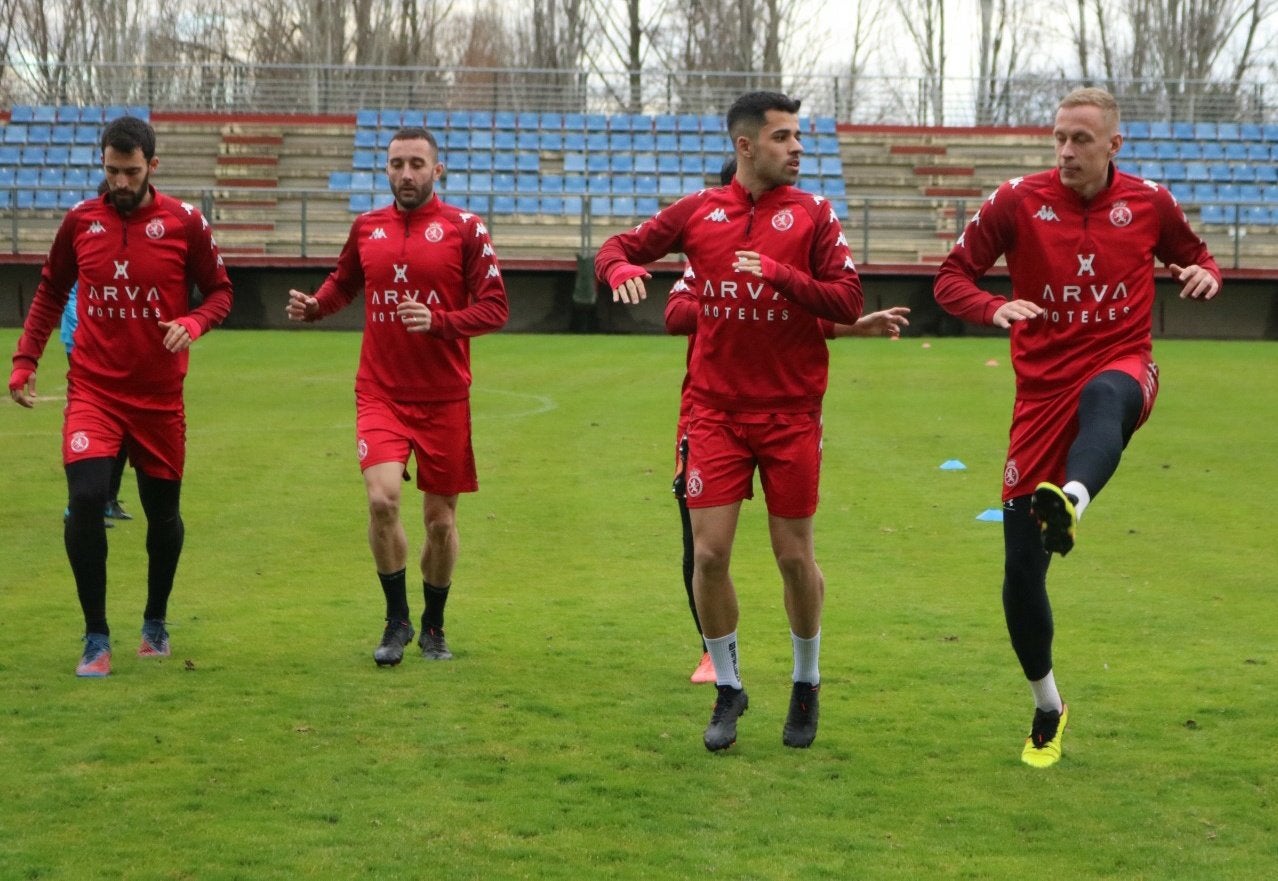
{"x":1078,"y":491}
{"x":1046,"y":697}
{"x":723,"y":651}
{"x":807,"y":653}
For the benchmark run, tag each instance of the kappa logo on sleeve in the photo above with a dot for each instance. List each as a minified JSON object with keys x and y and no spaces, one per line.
{"x":718,"y":215}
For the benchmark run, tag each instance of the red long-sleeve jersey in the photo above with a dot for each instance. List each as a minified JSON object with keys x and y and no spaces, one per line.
{"x":436,"y":254}
{"x":760,"y":346}
{"x":1090,"y":265}
{"x":134,"y":271}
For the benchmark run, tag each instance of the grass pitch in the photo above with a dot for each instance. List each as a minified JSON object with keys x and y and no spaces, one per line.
{"x":565,"y":741}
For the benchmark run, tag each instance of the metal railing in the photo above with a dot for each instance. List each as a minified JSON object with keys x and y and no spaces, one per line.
{"x":313,"y":223}
{"x":241,"y":88}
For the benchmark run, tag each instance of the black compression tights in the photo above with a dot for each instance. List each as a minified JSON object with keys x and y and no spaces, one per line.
{"x":88,"y":487}
{"x":688,"y":560}
{"x":1108,"y":410}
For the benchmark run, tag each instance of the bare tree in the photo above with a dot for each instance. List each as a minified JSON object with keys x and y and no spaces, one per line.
{"x":1007,"y":36}
{"x":924,"y":22}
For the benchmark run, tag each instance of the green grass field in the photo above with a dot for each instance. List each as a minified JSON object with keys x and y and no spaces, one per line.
{"x":565,"y":740}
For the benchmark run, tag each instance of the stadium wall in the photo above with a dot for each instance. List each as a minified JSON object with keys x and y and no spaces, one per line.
{"x":549,"y":297}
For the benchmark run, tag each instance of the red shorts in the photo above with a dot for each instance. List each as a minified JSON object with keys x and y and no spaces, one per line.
{"x":725,"y":448}
{"x":437,"y":434}
{"x":1043,"y":430}
{"x":96,"y":426}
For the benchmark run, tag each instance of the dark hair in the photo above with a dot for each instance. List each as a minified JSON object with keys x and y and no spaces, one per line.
{"x":416,"y":133}
{"x":128,"y":133}
{"x":728,"y":172}
{"x":751,"y":110}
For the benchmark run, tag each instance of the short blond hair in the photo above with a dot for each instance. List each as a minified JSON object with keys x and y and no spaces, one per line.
{"x":1091,"y":96}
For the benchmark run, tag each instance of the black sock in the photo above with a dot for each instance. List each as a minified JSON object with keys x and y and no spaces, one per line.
{"x":165,"y":534}
{"x":395,"y":587}
{"x":436,"y":597}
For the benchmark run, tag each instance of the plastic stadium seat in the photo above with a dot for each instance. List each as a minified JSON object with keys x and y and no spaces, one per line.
{"x":86,"y":156}
{"x":459,"y":119}
{"x":365,"y":160}
{"x":527,"y":183}
{"x":831,"y":166}
{"x":365,"y":138}
{"x":670,"y":186}
{"x":1243,"y":173}
{"x":33,"y":155}
{"x":575,"y":141}
{"x":688,"y":122}
{"x":503,"y":182}
{"x":623,"y":206}
{"x":645,"y":185}
{"x":574,"y":184}
{"x":573,"y":122}
{"x":622,"y":163}
{"x":528,"y":120}
{"x":1183,"y":192}
{"x":712,"y":122}
{"x":1227,"y":131}
{"x":141,"y":111}
{"x":69,"y":198}
{"x":550,"y":205}
{"x":1251,"y":131}
{"x":481,"y":119}
{"x":691,"y":162}
{"x":1166,"y":150}
{"x":1220,"y":172}
{"x":597,"y":142}
{"x":600,"y":206}
{"x":623,"y":185}
{"x":693,"y":183}
{"x":6,"y":200}
{"x":15,"y":134}
{"x":822,"y":145}
{"x":1258,"y":152}
{"x":811,"y":184}
{"x":412,"y":119}
{"x":10,"y":154}
{"x":645,"y":163}
{"x":1236,"y":151}
{"x":646,"y":206}
{"x":384,"y":136}
{"x":115,"y":111}
{"x":1251,"y":192}
{"x":46,"y":200}
{"x":1203,"y":131}
{"x":458,"y":182}
{"x":527,"y":205}
{"x":457,"y":139}
{"x":1227,"y":193}
{"x":1137,"y":130}
{"x":596,"y":122}
{"x":552,"y":122}
{"x":1194,"y":171}
{"x":504,"y":141}
{"x":620,"y":141}
{"x":481,"y":160}
{"x":365,"y":118}
{"x":390,"y":119}
{"x":619,"y":122}
{"x":690,"y":143}
{"x":63,"y":133}
{"x":834,"y":186}
{"x":361,"y":180}
{"x":667,"y":143}
{"x":437,"y":120}
{"x":824,"y":125}
{"x":1266,"y":174}
{"x":1210,"y":151}
{"x":481,"y":139}
{"x":595,"y":163}
{"x":1160,"y":130}
{"x":643,"y":142}
{"x":718,"y":143}
{"x":575,"y":162}
{"x":668,"y":163}
{"x":527,"y":162}
{"x":504,"y":119}
{"x":22,"y":113}
{"x":599,"y":183}
{"x":8,"y":175}
{"x":45,"y":113}
{"x":553,"y":141}
{"x":360,"y":202}
{"x":481,"y":182}
{"x":1153,"y":170}
{"x":641,"y":123}
{"x":1201,"y":192}
{"x":664,"y":122}
{"x":24,"y":199}
{"x":1257,"y":215}
{"x":572,"y":206}
{"x":50,"y":177}
{"x":527,"y":139}
{"x":1139,"y":150}
{"x":1183,"y":130}
{"x":551,"y":183}
{"x":1219,"y":214}
{"x":840,"y":208}
{"x":1270,"y":194}
{"x":39,"y":133}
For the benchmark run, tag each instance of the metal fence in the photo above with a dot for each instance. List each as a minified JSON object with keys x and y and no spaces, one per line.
{"x":234,"y":88}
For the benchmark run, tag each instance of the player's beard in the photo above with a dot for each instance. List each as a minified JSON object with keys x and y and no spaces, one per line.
{"x":127,"y":200}
{"x":415,"y":198}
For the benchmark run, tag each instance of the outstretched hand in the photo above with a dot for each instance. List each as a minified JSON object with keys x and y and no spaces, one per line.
{"x":1198,"y":282}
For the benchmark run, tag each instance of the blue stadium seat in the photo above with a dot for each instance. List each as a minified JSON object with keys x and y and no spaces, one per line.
{"x":365,"y":118}
{"x":575,"y":140}
{"x":668,"y":163}
{"x":1160,"y":130}
{"x":573,"y":122}
{"x":63,"y":133}
{"x":481,"y":160}
{"x":599,"y":183}
{"x":623,"y":206}
{"x":1183,"y":192}
{"x":10,"y":154}
{"x":667,"y":143}
{"x":551,"y":122}
{"x":824,"y":125}
{"x":600,"y":206}
{"x":88,"y":134}
{"x":840,"y":209}
{"x":8,"y":174}
{"x":527,"y":162}
{"x":1257,"y":215}
{"x":1251,"y":131}
{"x":437,"y":121}
{"x":56,"y":154}
{"x":46,"y":200}
{"x":24,"y":199}
{"x":646,"y":206}
{"x":690,"y":143}
{"x":719,"y":143}
{"x":528,"y":120}
{"x":45,"y":113}
{"x":481,"y":182}
{"x":623,"y":185}
{"x":527,"y":183}
{"x":619,"y":122}
{"x":365,"y":138}
{"x":621,"y":163}
{"x":645,"y":185}
{"x":692,"y":183}
{"x":1153,"y":170}
{"x":595,"y":163}
{"x":33,"y":156}
{"x":1201,"y":192}
{"x":459,"y":119}
{"x":140,"y":111}
{"x":620,"y":141}
{"x":528,"y":139}
{"x":361,"y":180}
{"x":39,"y":133}
{"x":1220,"y":172}
{"x":392,"y":119}
{"x":551,"y":205}
{"x":572,"y":206}
{"x":1227,"y":131}
{"x":505,"y":119}
{"x":596,"y":122}
{"x":641,"y":123}
{"x":1140,"y":150}
{"x":359,"y":202}
{"x":457,"y":139}
{"x":688,"y":122}
{"x":1183,"y":130}
{"x":575,"y":162}
{"x":1251,"y":192}
{"x":711,"y":163}
{"x":1194,"y":171}
{"x":458,"y":160}
{"x":551,"y":183}
{"x":1203,"y":131}
{"x":597,"y":142}
{"x":811,"y":184}
{"x":664,"y":122}
{"x":1257,"y":152}
{"x":574,"y":184}
{"x":834,"y":186}
{"x":481,"y":139}
{"x":831,"y":166}
{"x":365,"y":160}
{"x":1137,"y":130}
{"x":23,"y":113}
{"x":1236,"y":151}
{"x":670,"y":186}
{"x":1266,"y":174}
{"x":1227,"y":192}
{"x":527,"y":205}
{"x":822,"y":145}
{"x":92,"y":115}
{"x":114,"y":111}
{"x":15,"y":134}
{"x":384,"y":136}
{"x":86,"y":156}
{"x":1210,"y":151}
{"x":68,"y":199}
{"x":1219,"y":214}
{"x":412,"y":119}
{"x":643,"y":142}
{"x":645,"y":163}
{"x":691,"y":162}
{"x":504,"y":172}
{"x":458,"y":182}
{"x":1191,"y":150}
{"x":50,"y":177}
{"x":1242,"y":173}
{"x":554,"y":141}
{"x":505,"y":141}
{"x":1165,"y":150}
{"x":711,"y":123}
{"x":482,"y":119}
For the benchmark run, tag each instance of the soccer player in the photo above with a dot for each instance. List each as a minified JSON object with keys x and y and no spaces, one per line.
{"x":430,"y":282}
{"x":1080,"y":241}
{"x":135,"y":253}
{"x":767,"y":262}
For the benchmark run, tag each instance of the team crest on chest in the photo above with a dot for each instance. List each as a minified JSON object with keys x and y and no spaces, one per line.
{"x":783,"y":220}
{"x":1120,"y":214}
{"x":434,"y":232}
{"x":155,"y":229}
